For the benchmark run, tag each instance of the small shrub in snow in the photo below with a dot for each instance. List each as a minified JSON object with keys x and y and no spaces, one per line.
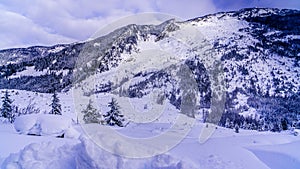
{"x":114,"y":116}
{"x":29,"y":109}
{"x":228,"y":123}
{"x":295,"y":133}
{"x":236,"y":128}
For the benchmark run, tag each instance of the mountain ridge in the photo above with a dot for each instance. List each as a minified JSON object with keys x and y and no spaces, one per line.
{"x":259,"y":49}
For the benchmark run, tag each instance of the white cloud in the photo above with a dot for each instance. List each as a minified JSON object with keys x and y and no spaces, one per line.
{"x":18,"y":31}
{"x":186,"y":9}
{"x":64,"y":20}
{"x":33,"y":22}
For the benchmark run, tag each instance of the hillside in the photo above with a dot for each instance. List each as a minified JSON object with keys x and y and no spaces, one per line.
{"x":217,"y":91}
{"x":254,"y":53}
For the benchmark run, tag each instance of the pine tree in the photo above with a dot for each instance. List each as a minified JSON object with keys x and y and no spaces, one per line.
{"x":6,"y":109}
{"x":55,"y":105}
{"x":90,"y":114}
{"x":113,"y":116}
{"x":284,"y":124}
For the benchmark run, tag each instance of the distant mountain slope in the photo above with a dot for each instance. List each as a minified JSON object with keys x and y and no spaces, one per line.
{"x":258,"y":48}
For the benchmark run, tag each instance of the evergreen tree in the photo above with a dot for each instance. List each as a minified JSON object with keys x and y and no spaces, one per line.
{"x":113,"y":116}
{"x":90,"y":114}
{"x":55,"y":105}
{"x":6,"y":109}
{"x":284,"y":124}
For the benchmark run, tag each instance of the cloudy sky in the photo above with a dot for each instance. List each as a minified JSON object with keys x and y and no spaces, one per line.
{"x":37,"y":22}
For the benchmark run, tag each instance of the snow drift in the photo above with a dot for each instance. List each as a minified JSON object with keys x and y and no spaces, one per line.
{"x":43,"y":124}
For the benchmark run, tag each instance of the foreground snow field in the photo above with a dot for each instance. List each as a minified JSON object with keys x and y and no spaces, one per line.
{"x":225,"y":149}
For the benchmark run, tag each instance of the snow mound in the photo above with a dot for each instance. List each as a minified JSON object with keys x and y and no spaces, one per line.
{"x":278,"y":156}
{"x":42,"y":155}
{"x":92,"y":156}
{"x":3,"y":120}
{"x":43,"y":124}
{"x":84,"y":155}
{"x":24,"y":124}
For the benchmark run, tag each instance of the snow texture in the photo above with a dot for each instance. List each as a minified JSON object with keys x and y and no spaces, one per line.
{"x":42,"y":124}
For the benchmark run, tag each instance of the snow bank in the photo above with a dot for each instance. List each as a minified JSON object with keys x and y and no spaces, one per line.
{"x":42,"y":155}
{"x":43,"y":124}
{"x":24,"y":124}
{"x":224,"y":149}
{"x":3,"y":120}
{"x":279,"y":156}
{"x":53,"y":124}
{"x":84,"y":155}
{"x":92,"y":156}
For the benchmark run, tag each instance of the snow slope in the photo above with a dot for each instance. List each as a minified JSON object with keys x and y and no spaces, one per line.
{"x":225,"y":149}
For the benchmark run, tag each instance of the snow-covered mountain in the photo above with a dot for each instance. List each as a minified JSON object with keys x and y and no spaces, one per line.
{"x":255,"y":51}
{"x":236,"y":69}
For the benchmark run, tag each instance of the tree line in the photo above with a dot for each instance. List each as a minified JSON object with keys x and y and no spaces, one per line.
{"x":91,"y":114}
